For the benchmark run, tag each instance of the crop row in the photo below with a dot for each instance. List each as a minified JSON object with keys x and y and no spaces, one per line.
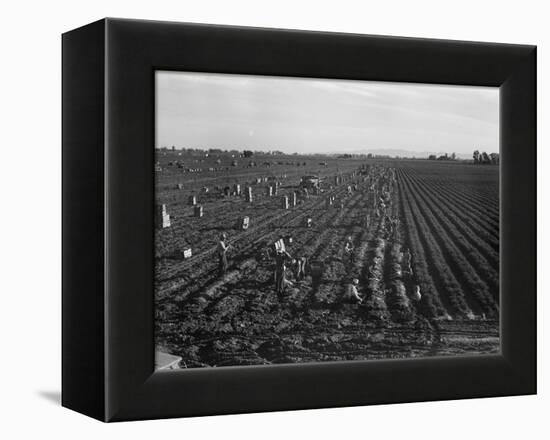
{"x":471,"y":218}
{"x":474,"y":290}
{"x":203,"y":254}
{"x":441,"y":278}
{"x":485,"y":216}
{"x":456,"y":231}
{"x":250,"y":243}
{"x":460,"y":220}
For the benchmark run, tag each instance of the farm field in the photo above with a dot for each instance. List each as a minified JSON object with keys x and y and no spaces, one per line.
{"x":430,"y":280}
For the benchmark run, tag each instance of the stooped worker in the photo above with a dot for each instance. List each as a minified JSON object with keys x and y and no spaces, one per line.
{"x":416,"y":293}
{"x":352,"y":295}
{"x":381,"y":210}
{"x":348,"y":252}
{"x":395,"y":226}
{"x":222,"y":254}
{"x":407,"y":263}
{"x":281,"y":257}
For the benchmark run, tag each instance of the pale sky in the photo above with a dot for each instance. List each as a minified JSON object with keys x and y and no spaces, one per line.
{"x":198,"y":110}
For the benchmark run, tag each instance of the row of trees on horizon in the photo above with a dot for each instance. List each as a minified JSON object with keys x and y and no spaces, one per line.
{"x":486,"y":159}
{"x":479,"y":158}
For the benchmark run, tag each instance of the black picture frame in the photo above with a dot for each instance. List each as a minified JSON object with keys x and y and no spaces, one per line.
{"x":108,"y":219}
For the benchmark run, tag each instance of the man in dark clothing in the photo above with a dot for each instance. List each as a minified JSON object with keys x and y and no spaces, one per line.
{"x":348,"y":253}
{"x":316,"y":268}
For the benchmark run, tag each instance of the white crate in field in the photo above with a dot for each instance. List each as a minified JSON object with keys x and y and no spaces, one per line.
{"x":187,"y":253}
{"x":245,"y":222}
{"x":284,"y":201}
{"x":162,"y":217}
{"x":280,"y":245}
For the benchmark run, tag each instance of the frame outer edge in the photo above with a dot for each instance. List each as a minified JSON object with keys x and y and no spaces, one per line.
{"x":519,"y":135}
{"x":83,"y":341}
{"x":132,"y":391}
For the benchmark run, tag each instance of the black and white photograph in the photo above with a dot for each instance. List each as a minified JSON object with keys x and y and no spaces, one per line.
{"x":280,"y":219}
{"x":302,"y":220}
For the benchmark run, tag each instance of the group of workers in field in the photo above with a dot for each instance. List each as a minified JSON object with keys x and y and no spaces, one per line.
{"x":282,"y":259}
{"x":381,"y":183}
{"x":298,"y":266}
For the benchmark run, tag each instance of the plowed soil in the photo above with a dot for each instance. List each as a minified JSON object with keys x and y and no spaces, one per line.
{"x":238,"y":319}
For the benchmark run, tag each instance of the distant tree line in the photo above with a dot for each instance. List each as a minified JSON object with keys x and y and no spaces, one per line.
{"x":378,"y":156}
{"x":215,"y":151}
{"x":486,"y":159}
{"x":479,"y":158}
{"x":442,"y":157}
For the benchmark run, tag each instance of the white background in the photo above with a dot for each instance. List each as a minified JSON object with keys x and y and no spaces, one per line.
{"x":30,"y":229}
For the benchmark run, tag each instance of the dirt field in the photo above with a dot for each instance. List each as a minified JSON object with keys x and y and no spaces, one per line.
{"x":445,"y":213}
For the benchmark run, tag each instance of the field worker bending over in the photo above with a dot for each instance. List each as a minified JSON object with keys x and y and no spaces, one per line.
{"x":352,"y":295}
{"x":348,"y":252}
{"x":417,"y":295}
{"x":395,"y":226}
{"x":382,"y":203}
{"x":222,"y":254}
